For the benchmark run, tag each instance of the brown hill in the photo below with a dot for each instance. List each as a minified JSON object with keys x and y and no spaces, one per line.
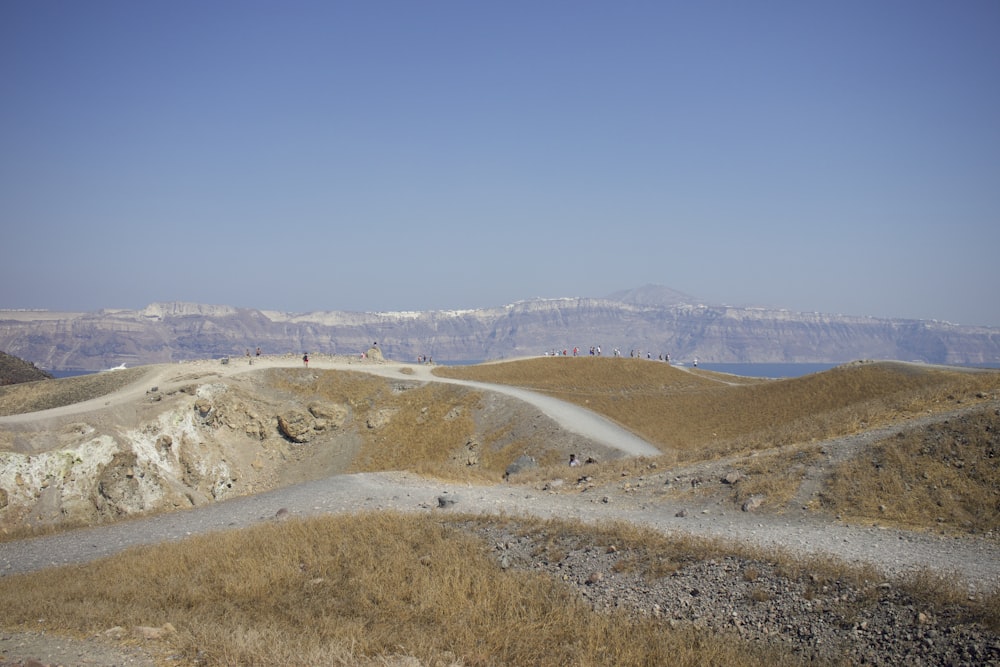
{"x":15,"y":371}
{"x":875,"y":444}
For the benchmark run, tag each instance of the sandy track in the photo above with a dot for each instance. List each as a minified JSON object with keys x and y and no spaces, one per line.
{"x":169,"y":376}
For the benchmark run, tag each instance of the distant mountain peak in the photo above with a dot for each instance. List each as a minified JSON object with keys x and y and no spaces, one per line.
{"x":652,"y":295}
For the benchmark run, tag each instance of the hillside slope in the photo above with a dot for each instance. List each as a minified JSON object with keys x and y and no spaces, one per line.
{"x":890,"y":466}
{"x":15,"y":371}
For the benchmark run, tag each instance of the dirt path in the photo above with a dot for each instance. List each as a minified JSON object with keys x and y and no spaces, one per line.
{"x":893,"y":551}
{"x":170,"y":376}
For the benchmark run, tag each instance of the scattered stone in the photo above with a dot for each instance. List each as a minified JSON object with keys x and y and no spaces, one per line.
{"x":469,"y":455}
{"x":752,"y":503}
{"x":379,"y":418}
{"x":203,"y":406}
{"x":147,"y":632}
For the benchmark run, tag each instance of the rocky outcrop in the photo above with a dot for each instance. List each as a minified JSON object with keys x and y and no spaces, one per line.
{"x":654,"y":321}
{"x":296,"y":425}
{"x":117,"y":492}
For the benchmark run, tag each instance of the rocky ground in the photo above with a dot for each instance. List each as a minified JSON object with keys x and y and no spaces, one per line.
{"x":820,"y":618}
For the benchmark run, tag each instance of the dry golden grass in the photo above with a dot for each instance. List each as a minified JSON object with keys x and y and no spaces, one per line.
{"x":346,"y":590}
{"x":46,"y":394}
{"x":336,"y":590}
{"x":947,"y":474}
{"x":696,"y":415}
{"x":775,"y":475}
{"x":405,"y":426}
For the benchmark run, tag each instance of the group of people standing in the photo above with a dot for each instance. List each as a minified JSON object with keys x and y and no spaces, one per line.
{"x":595,"y":351}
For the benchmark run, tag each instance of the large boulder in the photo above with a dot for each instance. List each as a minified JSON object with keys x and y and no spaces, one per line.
{"x":295,"y":425}
{"x":332,"y":415}
{"x":118,"y":491}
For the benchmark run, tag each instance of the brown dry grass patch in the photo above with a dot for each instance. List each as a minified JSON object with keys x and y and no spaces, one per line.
{"x":946,"y":475}
{"x":366,"y":586}
{"x":404,"y":424}
{"x":56,"y":393}
{"x":698,"y":415}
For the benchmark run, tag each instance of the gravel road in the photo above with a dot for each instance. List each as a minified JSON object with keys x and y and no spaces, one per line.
{"x":893,"y":551}
{"x":875,"y":640}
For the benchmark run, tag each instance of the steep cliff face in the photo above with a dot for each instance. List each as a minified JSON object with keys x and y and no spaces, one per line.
{"x":176,"y":331}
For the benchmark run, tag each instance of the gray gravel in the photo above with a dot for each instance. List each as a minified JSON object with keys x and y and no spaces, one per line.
{"x":893,"y":551}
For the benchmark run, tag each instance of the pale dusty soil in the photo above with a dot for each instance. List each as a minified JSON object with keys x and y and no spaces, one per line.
{"x":653,"y":501}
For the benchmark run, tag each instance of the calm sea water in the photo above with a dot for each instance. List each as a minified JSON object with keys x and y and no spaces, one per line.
{"x":786,"y":370}
{"x":768,"y":370}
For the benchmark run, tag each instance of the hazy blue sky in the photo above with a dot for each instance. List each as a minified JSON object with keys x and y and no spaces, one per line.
{"x":838,"y":156}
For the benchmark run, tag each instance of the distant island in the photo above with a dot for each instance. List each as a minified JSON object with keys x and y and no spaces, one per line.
{"x":651,"y":321}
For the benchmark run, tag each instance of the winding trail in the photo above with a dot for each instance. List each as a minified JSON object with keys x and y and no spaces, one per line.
{"x":571,"y":417}
{"x":894,"y":552}
{"x":168,"y":376}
